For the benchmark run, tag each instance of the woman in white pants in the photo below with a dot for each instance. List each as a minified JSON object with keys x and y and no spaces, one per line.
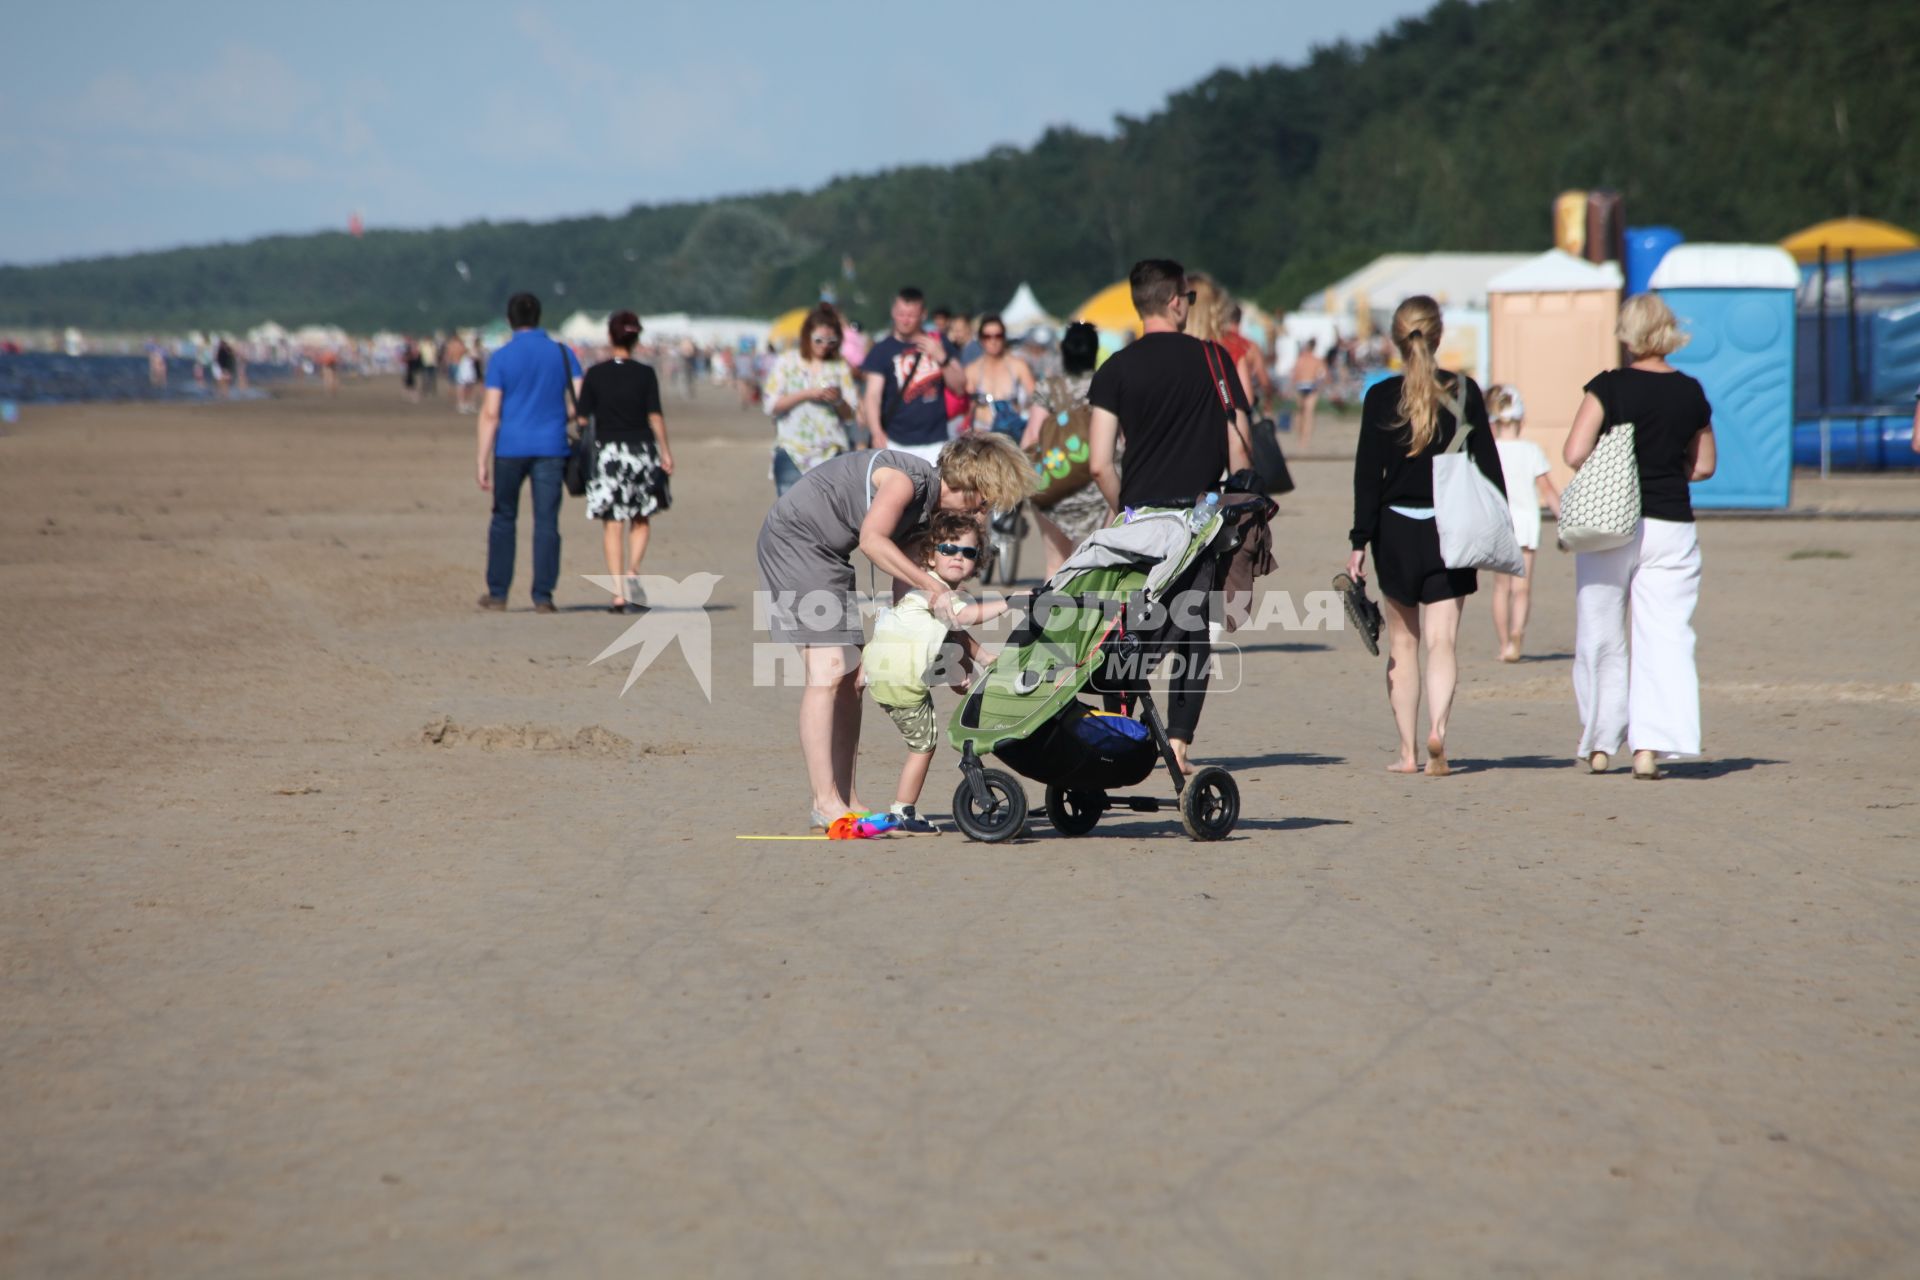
{"x":1646,"y":693}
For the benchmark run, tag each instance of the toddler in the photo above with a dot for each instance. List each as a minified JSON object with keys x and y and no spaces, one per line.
{"x":909,"y":643}
{"x":1524,"y":467}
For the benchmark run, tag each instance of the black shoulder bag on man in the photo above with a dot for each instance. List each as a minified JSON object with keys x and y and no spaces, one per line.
{"x":580,"y":443}
{"x":1269,"y":465}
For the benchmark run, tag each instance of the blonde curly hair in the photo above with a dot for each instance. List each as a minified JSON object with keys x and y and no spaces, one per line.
{"x":989,"y":465}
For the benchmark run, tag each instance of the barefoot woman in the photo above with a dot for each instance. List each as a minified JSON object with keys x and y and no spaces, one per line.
{"x":1406,"y":421}
{"x":875,"y":501}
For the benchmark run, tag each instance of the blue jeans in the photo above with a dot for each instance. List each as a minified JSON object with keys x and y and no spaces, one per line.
{"x":508,"y":474}
{"x":786,"y":472}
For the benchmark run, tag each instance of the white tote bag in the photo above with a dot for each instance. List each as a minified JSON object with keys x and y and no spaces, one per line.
{"x":1601,"y":507}
{"x":1469,"y":511}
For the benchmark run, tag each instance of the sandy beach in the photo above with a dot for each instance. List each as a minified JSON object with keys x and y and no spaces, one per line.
{"x":350,"y":931}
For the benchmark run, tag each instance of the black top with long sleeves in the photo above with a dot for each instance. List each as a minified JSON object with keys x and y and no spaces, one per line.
{"x":1384,"y":476}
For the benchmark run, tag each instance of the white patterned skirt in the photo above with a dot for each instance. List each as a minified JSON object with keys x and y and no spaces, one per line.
{"x":627,"y":482}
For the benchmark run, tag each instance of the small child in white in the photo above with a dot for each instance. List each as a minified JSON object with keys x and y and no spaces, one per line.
{"x":1524,"y":467}
{"x":909,"y":643}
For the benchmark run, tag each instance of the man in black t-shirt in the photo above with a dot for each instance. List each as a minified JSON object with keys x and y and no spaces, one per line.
{"x":1169,"y":395}
{"x":1164,"y":396}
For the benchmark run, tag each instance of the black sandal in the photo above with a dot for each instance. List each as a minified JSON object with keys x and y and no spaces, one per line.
{"x":1362,"y":614}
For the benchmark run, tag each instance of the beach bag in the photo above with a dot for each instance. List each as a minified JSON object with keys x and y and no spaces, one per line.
{"x":1269,"y":463}
{"x":1063,"y":459}
{"x":1601,"y":506}
{"x":1469,"y":512}
{"x":580,"y":443}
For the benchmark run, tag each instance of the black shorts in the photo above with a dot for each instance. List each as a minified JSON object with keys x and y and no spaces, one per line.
{"x":1406,"y":559}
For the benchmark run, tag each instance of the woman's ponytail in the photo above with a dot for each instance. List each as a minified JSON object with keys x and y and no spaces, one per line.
{"x":1416,"y":332}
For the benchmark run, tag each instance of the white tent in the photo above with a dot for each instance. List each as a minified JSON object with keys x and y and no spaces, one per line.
{"x":1451,"y":279}
{"x":320,"y":335}
{"x":266,"y":334}
{"x":1023,"y":313}
{"x":1339,"y":297}
{"x":585,"y":328}
{"x":705,"y":331}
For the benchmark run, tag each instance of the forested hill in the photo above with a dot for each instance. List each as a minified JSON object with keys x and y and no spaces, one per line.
{"x":1730,"y":119}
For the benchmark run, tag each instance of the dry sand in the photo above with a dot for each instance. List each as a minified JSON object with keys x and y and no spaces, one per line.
{"x":349,"y":931}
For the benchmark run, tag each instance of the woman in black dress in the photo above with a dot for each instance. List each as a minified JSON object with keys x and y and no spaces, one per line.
{"x":1406,"y":421}
{"x":631,"y":460}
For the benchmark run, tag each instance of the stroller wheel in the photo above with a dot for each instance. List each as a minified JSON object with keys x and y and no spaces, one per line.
{"x":1210,"y":804}
{"x":1073,"y":813}
{"x":998,"y":813}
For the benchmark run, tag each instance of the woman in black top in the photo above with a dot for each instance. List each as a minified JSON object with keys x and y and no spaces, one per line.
{"x":1405,"y":422}
{"x":631,"y":462}
{"x":1650,"y":696}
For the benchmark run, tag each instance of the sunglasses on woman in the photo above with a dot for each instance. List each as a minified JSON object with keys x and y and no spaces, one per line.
{"x":955,"y":549}
{"x":824,"y":339}
{"x":993,"y":337}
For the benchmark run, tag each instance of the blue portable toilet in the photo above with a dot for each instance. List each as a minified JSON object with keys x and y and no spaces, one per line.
{"x":1736,"y":301}
{"x":1646,"y":246}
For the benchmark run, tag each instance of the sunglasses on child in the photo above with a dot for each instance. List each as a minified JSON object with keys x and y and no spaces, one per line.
{"x":955,"y":549}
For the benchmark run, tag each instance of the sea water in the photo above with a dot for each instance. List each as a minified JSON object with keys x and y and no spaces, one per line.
{"x":40,"y":377}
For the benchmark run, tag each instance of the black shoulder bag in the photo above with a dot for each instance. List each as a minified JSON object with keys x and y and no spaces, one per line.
{"x":1269,"y":465}
{"x":580,"y":442}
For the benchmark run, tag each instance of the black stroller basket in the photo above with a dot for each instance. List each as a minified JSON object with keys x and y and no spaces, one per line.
{"x":1057,"y":755}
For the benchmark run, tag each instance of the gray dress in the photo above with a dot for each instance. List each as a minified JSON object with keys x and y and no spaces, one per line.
{"x":807,"y":543}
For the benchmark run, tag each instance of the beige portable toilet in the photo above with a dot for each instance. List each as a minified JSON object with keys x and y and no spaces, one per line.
{"x":1552,"y":321}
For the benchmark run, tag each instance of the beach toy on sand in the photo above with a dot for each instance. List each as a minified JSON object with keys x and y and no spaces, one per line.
{"x":862,"y":826}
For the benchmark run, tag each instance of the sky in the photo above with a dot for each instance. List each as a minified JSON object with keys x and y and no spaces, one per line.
{"x":126,"y":128}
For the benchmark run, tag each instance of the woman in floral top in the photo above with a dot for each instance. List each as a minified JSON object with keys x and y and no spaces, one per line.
{"x":810,"y":396}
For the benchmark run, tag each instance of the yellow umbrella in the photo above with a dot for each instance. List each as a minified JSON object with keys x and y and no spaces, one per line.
{"x":1866,"y":237}
{"x":1111,"y":310}
{"x":786,"y":327}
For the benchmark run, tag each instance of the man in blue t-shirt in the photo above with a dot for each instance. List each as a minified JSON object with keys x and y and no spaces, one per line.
{"x":523,"y":436}
{"x":908,"y":372}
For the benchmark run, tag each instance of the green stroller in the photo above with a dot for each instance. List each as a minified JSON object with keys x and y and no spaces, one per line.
{"x":1091,"y":626}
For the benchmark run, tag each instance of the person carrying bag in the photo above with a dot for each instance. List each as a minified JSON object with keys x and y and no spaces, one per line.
{"x":1470,"y":512}
{"x":1429,"y":498}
